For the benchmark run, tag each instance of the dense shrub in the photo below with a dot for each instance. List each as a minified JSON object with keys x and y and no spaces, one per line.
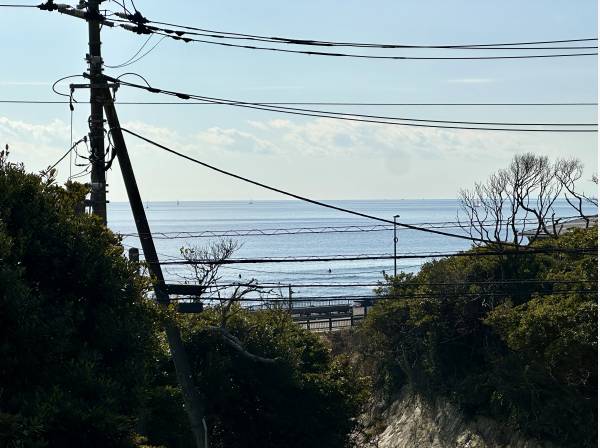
{"x":76,"y":337}
{"x":305,"y":398}
{"x":522,"y":352}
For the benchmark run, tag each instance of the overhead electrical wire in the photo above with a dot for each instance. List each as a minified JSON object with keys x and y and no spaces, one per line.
{"x":312,"y":259}
{"x":301,"y":41}
{"x":138,"y":24}
{"x":333,"y":273}
{"x":132,"y":57}
{"x":269,"y":285}
{"x":398,"y":121}
{"x":306,"y":199}
{"x":132,"y":61}
{"x":503,"y":46}
{"x":326,"y":103}
{"x":354,"y":298}
{"x":142,"y":27}
{"x":122,"y":5}
{"x":354,"y":55}
{"x":64,"y":94}
{"x":325,"y":229}
{"x":73,"y":146}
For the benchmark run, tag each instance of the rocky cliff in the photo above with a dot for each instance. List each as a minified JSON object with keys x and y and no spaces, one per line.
{"x":410,"y":422}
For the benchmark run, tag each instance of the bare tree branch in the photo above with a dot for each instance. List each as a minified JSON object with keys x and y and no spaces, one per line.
{"x":236,"y":344}
{"x":207,"y":276}
{"x":501,"y":208}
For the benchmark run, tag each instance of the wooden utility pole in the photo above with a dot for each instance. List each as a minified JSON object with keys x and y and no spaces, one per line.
{"x":96,"y":120}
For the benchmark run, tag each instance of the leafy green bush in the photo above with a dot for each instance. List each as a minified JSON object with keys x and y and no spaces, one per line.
{"x":304,"y":398}
{"x":76,"y":336}
{"x":522,"y":352}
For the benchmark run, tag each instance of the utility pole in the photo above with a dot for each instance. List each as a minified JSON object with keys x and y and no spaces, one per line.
{"x":96,"y":121}
{"x":102,"y":101}
{"x":395,"y":244}
{"x":193,"y":401}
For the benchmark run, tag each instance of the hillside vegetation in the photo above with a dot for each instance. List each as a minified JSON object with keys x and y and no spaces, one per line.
{"x":83,"y":357}
{"x":512,"y":337}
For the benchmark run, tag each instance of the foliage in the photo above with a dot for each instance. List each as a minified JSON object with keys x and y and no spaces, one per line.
{"x":304,"y":398}
{"x":522,"y":352}
{"x":76,"y":335}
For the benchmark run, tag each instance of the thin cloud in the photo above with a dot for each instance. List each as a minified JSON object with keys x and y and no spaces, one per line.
{"x":25,"y":83}
{"x":471,"y":81}
{"x":235,"y":140}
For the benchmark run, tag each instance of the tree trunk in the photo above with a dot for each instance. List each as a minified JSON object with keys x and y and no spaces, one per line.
{"x":193,"y":403}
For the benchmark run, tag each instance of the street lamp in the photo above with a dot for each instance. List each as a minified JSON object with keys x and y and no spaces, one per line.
{"x":395,"y":243}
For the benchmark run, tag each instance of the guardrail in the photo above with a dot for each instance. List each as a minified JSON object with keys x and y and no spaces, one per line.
{"x":330,"y":324}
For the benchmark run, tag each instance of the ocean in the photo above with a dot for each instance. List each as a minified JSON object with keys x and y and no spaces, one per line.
{"x":193,"y":224}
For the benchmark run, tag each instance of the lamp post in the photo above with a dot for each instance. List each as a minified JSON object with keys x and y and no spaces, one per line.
{"x":395,"y":243}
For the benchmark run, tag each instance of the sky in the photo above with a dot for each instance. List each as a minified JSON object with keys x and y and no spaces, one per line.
{"x":317,"y":157}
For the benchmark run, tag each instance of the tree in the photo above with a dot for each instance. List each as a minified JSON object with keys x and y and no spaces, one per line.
{"x":205,"y":264}
{"x":513,"y":337}
{"x":522,"y":196}
{"x":568,"y":172}
{"x":263,"y":379}
{"x":305,"y":398}
{"x":77,"y":334}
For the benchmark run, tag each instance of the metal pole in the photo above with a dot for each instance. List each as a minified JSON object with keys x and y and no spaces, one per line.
{"x":96,"y":120}
{"x":395,"y":244}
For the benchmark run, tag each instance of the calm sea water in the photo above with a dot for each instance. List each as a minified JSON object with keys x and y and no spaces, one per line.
{"x":167,"y":217}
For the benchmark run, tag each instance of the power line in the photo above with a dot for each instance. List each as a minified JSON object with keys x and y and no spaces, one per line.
{"x":312,"y":259}
{"x":349,"y":116}
{"x":142,"y":22}
{"x":145,"y":30}
{"x":305,"y":199}
{"x":376,"y":45}
{"x":84,"y":139}
{"x":278,"y":40}
{"x":132,"y":57}
{"x":132,"y":60}
{"x":326,"y":103}
{"x":268,"y":285}
{"x":122,"y":5}
{"x":349,"y":298}
{"x":326,"y":229}
{"x":335,"y":273}
{"x":435,"y":294}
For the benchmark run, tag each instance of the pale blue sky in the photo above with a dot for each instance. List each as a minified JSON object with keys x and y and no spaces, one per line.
{"x":318,"y":157}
